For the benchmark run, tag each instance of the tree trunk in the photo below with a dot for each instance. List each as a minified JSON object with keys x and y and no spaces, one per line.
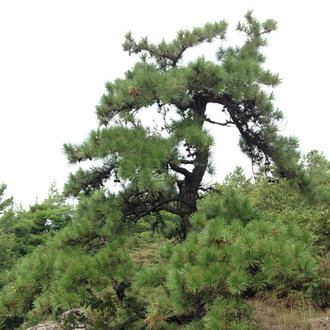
{"x":189,"y":190}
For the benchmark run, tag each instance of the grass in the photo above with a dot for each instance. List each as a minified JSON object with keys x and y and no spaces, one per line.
{"x":283,"y":315}
{"x":146,"y":255}
{"x":145,"y":249}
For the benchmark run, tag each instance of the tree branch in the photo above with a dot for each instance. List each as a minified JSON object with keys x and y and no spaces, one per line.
{"x":135,"y":215}
{"x":185,"y":161}
{"x":227,"y":123}
{"x":180,"y":170}
{"x":208,"y":189}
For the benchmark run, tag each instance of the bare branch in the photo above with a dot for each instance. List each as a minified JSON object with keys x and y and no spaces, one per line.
{"x":227,"y":123}
{"x":185,"y":161}
{"x":157,"y":206}
{"x":212,"y":189}
{"x":180,"y":170}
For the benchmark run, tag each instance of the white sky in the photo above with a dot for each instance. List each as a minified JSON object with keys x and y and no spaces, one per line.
{"x":56,"y":55}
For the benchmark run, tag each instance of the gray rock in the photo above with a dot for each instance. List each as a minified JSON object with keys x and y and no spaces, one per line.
{"x":320,"y":323}
{"x":51,"y":325}
{"x":46,"y":326}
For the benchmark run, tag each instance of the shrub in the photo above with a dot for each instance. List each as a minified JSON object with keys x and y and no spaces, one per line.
{"x":217,"y":268}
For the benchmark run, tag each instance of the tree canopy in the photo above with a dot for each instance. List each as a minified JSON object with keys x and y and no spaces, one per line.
{"x":21,"y":231}
{"x":6,"y":202}
{"x":161,"y":168}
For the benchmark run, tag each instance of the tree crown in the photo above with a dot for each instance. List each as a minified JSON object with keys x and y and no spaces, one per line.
{"x":162,"y":168}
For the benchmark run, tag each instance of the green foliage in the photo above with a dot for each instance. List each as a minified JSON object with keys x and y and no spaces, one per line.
{"x":318,"y":170}
{"x":4,"y":203}
{"x":207,"y":278}
{"x":284,"y":199}
{"x":7,"y":240}
{"x":22,"y":230}
{"x":161,"y":168}
{"x":7,"y":255}
{"x":228,"y":314}
{"x":235,"y":250}
{"x":83,"y":264}
{"x":243,"y":238}
{"x":319,"y":289}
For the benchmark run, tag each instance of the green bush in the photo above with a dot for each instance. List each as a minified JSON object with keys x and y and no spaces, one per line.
{"x":215,"y":270}
{"x":83,"y":261}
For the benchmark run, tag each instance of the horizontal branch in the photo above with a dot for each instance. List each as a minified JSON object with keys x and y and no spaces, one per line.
{"x":212,"y":189}
{"x":227,"y":123}
{"x":102,"y":242}
{"x":185,"y":161}
{"x":180,"y":170}
{"x":157,"y":206}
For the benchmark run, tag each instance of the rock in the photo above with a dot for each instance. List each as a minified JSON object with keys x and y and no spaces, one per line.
{"x":69,"y":317}
{"x":46,"y":326}
{"x":320,"y":323}
{"x":74,"y":317}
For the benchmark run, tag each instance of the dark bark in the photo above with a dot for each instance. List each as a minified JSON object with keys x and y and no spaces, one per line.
{"x":120,"y":289}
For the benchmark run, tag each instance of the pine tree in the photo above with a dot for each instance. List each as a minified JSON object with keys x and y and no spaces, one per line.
{"x":86,"y":263}
{"x":4,"y":203}
{"x":22,"y":230}
{"x":6,"y":239}
{"x":162,"y":168}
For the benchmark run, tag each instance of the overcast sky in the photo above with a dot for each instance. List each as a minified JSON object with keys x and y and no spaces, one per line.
{"x":56,"y":55}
